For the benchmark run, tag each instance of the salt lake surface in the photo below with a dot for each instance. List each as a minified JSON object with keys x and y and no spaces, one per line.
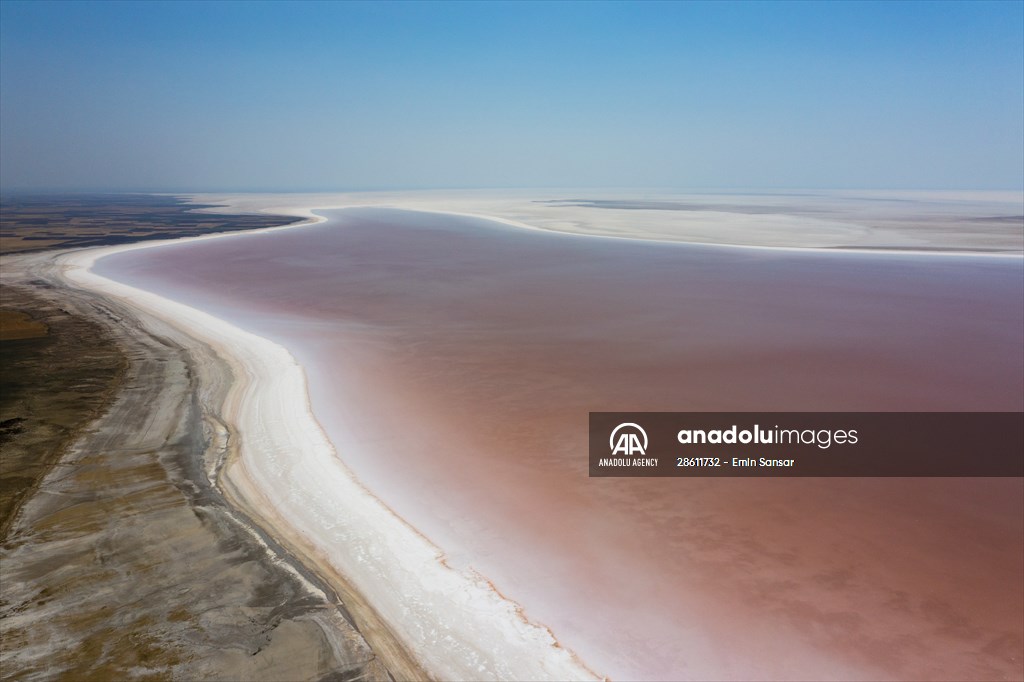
{"x":453,"y":361}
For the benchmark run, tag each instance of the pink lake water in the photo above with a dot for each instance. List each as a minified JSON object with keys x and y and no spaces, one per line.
{"x":453,"y":362}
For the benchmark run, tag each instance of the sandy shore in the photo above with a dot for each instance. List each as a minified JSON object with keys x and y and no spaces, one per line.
{"x":283,"y":472}
{"x":127,"y":561}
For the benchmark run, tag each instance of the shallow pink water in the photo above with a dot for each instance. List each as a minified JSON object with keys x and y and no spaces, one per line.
{"x":453,"y":362}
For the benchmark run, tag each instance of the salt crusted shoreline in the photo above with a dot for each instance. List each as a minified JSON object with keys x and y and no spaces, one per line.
{"x":421,"y":616}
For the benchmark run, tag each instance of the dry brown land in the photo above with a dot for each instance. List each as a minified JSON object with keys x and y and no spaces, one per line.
{"x":118,"y":557}
{"x":59,"y":372}
{"x":126,"y":562}
{"x":15,"y":325}
{"x":34,"y":223}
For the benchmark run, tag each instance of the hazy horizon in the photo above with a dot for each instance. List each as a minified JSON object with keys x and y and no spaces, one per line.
{"x":290,"y":97}
{"x":8,"y":192}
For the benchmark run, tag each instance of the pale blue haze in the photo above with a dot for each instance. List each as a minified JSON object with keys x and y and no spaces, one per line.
{"x":264,"y":96}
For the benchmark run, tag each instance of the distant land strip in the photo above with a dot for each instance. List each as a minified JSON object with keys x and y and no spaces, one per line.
{"x":39,"y":222}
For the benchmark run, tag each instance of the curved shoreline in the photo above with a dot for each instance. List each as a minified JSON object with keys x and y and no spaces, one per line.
{"x":268,"y":368}
{"x":267,"y":404}
{"x":838,"y":250}
{"x":125,"y":500}
{"x":611,"y":223}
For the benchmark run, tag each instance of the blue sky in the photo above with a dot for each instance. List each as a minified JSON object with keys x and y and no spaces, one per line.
{"x":335,"y":96}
